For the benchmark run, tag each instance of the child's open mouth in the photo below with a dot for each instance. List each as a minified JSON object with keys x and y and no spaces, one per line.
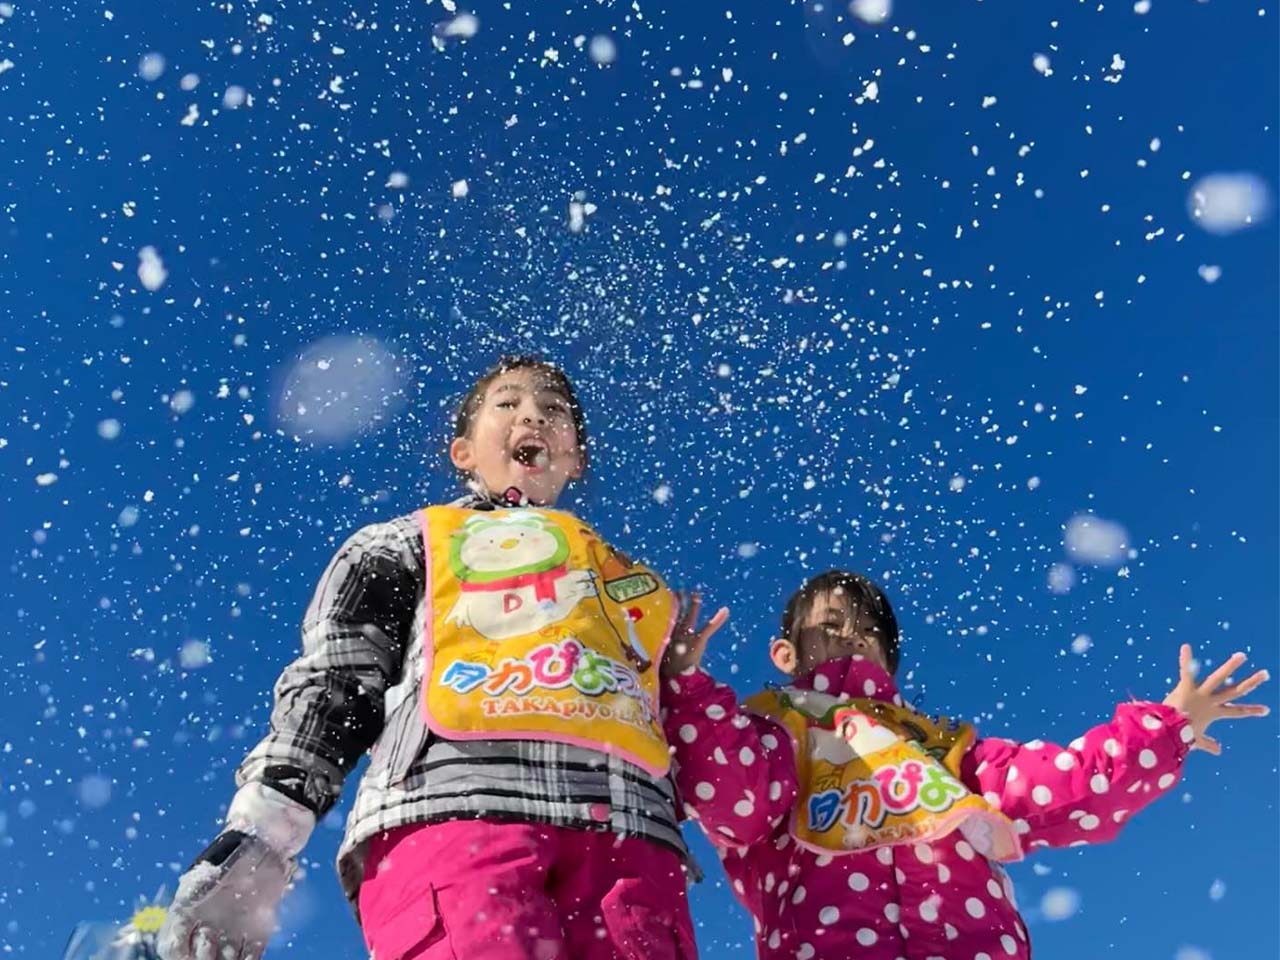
{"x":531,"y":454}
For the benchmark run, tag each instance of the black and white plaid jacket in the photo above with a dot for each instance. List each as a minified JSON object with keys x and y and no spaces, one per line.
{"x":357,"y":687}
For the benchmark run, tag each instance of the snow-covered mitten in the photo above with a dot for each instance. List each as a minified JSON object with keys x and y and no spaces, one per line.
{"x":226,"y":903}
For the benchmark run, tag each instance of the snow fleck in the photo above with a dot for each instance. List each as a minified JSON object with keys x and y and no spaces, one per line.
{"x":234,"y":98}
{"x":988,"y":102}
{"x":1209,"y":273}
{"x":1223,"y":203}
{"x":109,"y":428}
{"x":1093,"y":540}
{"x":463,"y":27}
{"x":1042,"y":64}
{"x":128,"y":516}
{"x":1059,"y":903}
{"x":94,"y":791}
{"x":193,"y":655}
{"x":459,"y":189}
{"x":151,"y":270}
{"x":1081,"y":644}
{"x":748,"y":550}
{"x":1142,"y":7}
{"x":192,"y":115}
{"x":341,"y":387}
{"x":1062,"y":577}
{"x":872,"y":11}
{"x":46,"y":479}
{"x":151,"y":66}
{"x":398,"y":180}
{"x":1217,"y":890}
{"x":956,"y":484}
{"x":662,"y":493}
{"x":602,"y":49}
{"x":182,"y":401}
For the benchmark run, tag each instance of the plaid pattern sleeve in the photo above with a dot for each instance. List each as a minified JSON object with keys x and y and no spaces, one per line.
{"x":329,"y":703}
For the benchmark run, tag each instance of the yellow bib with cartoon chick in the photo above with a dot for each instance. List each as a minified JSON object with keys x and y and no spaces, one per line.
{"x":539,"y":630}
{"x":874,"y":774}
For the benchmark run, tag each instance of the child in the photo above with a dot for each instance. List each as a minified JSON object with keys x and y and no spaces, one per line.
{"x":500,"y":660}
{"x":853,"y":827}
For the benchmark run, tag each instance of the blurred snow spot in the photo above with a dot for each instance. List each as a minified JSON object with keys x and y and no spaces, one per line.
{"x":1091,"y":539}
{"x":1062,"y":577}
{"x":182,"y":401}
{"x":46,"y":479}
{"x":94,"y":791}
{"x":872,"y":11}
{"x":193,"y":655}
{"x":151,"y":66}
{"x":459,"y":189}
{"x":1209,"y":273}
{"x":1217,"y":890}
{"x":340,"y":387}
{"x":1041,"y":870}
{"x":1033,"y":483}
{"x":956,"y":484}
{"x":602,"y":49}
{"x":748,"y":550}
{"x":189,"y":81}
{"x":1191,"y":953}
{"x":579,"y":210}
{"x":1059,"y":903}
{"x":6,"y":11}
{"x":1042,"y":64}
{"x":234,"y":97}
{"x":1081,"y":644}
{"x":151,"y":271}
{"x":662,"y":493}
{"x":398,"y":180}
{"x":462,"y":27}
{"x":1142,"y":7}
{"x":1223,"y":203}
{"x":128,"y":516}
{"x":109,"y":429}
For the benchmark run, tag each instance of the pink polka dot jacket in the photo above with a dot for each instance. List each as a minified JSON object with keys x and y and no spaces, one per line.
{"x":920,"y":901}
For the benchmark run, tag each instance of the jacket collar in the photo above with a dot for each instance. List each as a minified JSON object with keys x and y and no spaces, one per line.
{"x":848,"y":677}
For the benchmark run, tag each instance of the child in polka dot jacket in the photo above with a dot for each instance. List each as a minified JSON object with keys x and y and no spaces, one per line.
{"x":853,"y":827}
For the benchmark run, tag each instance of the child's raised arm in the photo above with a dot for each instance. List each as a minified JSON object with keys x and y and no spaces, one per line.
{"x":1083,"y":793}
{"x":735,"y":770}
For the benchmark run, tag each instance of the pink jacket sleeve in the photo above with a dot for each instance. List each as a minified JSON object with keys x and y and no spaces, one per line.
{"x":1082,"y":793}
{"x":735,"y":771}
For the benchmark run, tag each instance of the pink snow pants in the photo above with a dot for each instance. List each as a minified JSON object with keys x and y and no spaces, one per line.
{"x":484,"y":890}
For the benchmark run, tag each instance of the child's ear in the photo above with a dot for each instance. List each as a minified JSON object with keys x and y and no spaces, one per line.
{"x":579,"y":465}
{"x":783,"y":654}
{"x":463,"y":454}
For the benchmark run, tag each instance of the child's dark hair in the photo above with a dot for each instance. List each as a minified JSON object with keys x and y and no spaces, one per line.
{"x":866,"y":603}
{"x":559,"y":380}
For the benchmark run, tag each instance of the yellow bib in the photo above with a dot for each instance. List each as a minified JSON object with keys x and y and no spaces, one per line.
{"x":874,"y":774}
{"x":539,"y":630}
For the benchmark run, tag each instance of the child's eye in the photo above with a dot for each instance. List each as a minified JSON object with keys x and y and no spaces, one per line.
{"x":506,"y":404}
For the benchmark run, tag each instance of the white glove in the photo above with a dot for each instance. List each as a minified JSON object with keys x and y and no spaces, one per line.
{"x":225,"y":905}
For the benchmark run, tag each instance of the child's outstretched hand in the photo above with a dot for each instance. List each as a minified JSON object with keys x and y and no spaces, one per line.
{"x":1203,"y":703}
{"x":688,"y":643}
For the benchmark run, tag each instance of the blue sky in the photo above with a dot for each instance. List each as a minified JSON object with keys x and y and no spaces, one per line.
{"x":906,"y":303}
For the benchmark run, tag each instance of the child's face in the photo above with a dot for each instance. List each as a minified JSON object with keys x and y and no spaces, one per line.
{"x":830,"y":630}
{"x":522,"y":435}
